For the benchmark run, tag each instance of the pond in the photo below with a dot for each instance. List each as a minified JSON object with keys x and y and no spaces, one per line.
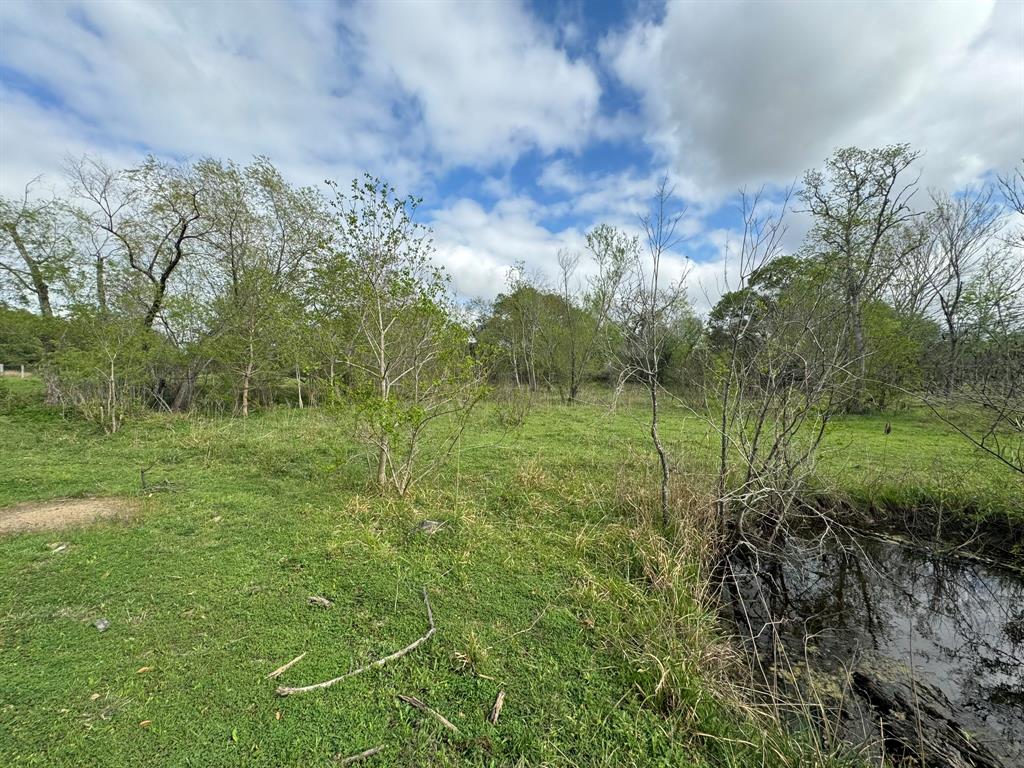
{"x":923,"y":649}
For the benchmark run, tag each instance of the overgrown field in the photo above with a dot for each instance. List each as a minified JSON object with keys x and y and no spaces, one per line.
{"x":542,"y":580}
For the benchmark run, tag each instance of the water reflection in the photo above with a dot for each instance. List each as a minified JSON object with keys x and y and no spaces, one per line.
{"x":958,"y":625}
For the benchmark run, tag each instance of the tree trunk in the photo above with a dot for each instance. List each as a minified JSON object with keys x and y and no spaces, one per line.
{"x":660,"y":449}
{"x":52,"y":387}
{"x":39,"y":286}
{"x":245,"y":393}
{"x":183,"y":397}
{"x":384,"y":389}
{"x":858,"y":404}
{"x":952,"y":362}
{"x":112,"y":399}
{"x":298,"y":381}
{"x":382,"y":463}
{"x":101,"y":284}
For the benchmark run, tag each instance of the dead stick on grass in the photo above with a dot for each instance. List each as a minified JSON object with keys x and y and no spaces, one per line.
{"x":412,"y":701}
{"x":496,"y":709}
{"x":286,"y":691}
{"x":282,"y":669}
{"x":361,"y":756}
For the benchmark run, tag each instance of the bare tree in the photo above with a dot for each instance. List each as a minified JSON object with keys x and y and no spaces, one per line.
{"x":910,"y":289}
{"x":782,"y":363}
{"x":586,"y":315}
{"x":987,"y":405}
{"x":962,"y":229}
{"x":648,"y":306}
{"x":859,"y":203}
{"x":1011,"y":185}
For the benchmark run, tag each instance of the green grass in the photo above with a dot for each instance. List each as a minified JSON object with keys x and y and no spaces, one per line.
{"x":538,"y":579}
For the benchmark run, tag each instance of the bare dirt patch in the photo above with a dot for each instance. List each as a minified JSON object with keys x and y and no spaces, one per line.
{"x":62,"y":513}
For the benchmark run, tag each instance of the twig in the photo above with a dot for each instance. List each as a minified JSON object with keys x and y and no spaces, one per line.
{"x":286,"y":691}
{"x":282,"y":669}
{"x":360,"y":756}
{"x":529,"y":628}
{"x":142,"y":475}
{"x":496,"y":709}
{"x":412,"y":701}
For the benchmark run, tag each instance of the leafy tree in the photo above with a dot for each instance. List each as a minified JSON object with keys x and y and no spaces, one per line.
{"x":153,"y":215}
{"x":254,"y":328}
{"x":410,"y":372}
{"x":861,"y":203}
{"x":37,"y":248}
{"x":513,"y":328}
{"x":25,"y":337}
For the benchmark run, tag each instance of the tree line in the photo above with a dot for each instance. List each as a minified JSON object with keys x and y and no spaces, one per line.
{"x":218,"y":286}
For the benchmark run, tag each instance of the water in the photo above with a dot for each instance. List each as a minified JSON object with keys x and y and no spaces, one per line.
{"x":958,"y":625}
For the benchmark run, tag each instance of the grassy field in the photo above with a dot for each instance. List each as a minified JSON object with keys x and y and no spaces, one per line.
{"x":541,"y":583}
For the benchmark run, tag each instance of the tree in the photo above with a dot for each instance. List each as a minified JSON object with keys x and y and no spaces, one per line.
{"x":910,"y":290}
{"x":987,"y":407}
{"x":781,"y":365}
{"x":253,"y":327}
{"x":260,"y":238}
{"x":411,"y":372}
{"x":649,"y":305}
{"x":585,"y":316}
{"x":860,"y":204}
{"x":962,"y":229}
{"x":1011,"y":185}
{"x":36,"y":246}
{"x":153,"y":215}
{"x":513,"y":325}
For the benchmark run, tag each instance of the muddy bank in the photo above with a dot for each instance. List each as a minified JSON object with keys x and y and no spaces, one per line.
{"x":927,"y":522}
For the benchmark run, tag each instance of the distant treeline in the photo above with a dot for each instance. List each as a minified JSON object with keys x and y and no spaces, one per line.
{"x":216,"y":285}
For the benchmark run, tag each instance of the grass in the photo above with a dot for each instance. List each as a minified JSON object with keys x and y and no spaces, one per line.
{"x":541,"y":586}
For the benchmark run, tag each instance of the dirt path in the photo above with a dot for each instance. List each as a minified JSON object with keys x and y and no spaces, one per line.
{"x":62,"y":513}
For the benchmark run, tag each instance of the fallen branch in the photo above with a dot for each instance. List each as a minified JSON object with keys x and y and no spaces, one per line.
{"x":286,"y":691}
{"x":496,"y":709}
{"x":412,"y":701}
{"x":361,"y":756}
{"x":284,"y":668}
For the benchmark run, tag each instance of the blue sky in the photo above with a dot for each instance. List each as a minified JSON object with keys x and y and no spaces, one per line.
{"x":521,"y":125}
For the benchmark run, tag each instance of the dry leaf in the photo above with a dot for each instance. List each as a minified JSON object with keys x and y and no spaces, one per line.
{"x":143,"y":670}
{"x":145,"y":723}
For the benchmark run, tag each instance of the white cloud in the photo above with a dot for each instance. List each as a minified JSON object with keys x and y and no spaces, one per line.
{"x":187,"y":79}
{"x":479,"y":245}
{"x":401,"y":90}
{"x":746,"y":93}
{"x":490,"y":81}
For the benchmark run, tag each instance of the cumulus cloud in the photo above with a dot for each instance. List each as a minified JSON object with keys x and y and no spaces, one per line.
{"x":431,"y":94}
{"x":744,"y":93}
{"x":490,"y":81}
{"x":401,"y":90}
{"x":478,"y":245}
{"x":189,"y":79}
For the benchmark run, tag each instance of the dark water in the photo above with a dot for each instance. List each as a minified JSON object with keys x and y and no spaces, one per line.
{"x":958,"y":625}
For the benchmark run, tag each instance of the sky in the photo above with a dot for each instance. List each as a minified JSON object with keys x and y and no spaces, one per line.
{"x":521,"y":125}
